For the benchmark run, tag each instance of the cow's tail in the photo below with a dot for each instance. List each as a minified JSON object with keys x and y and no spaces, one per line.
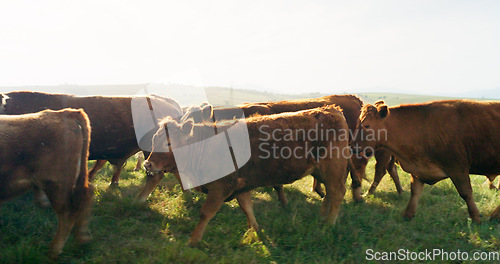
{"x":82,"y":193}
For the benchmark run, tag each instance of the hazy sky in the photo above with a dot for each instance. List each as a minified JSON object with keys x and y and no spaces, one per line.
{"x":443,"y":47}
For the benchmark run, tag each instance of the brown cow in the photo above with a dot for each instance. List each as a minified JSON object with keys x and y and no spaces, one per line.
{"x":351,"y":107}
{"x":113,"y":134}
{"x":261,"y":170}
{"x":435,"y":141}
{"x":49,"y":150}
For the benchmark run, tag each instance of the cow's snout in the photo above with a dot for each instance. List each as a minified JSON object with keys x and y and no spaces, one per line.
{"x":148,"y":165}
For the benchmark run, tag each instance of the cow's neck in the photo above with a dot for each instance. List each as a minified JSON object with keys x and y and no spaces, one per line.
{"x":401,"y":137}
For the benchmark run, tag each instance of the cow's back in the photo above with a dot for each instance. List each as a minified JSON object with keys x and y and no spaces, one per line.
{"x":288,"y":169}
{"x":350,"y":104}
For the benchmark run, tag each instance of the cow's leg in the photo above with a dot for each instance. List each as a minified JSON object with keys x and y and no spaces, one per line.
{"x":417,"y":186}
{"x":152,"y":180}
{"x":81,"y":230}
{"x":380,"y":169}
{"x":60,"y":200}
{"x":316,"y":184}
{"x":393,"y":172}
{"x":214,"y":201}
{"x":245,"y":202}
{"x":64,"y":226}
{"x":496,"y":214}
{"x":317,"y":188}
{"x":491,"y":179}
{"x":41,"y":198}
{"x":117,"y":169}
{"x":97,"y":166}
{"x":333,"y":175}
{"x":281,"y":195}
{"x":140,"y":160}
{"x":462,"y":183}
{"x":357,"y":167}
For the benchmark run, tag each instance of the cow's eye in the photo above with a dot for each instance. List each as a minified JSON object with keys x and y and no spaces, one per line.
{"x":366,"y":126}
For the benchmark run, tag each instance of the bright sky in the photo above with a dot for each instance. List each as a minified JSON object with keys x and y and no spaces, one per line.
{"x":429,"y":47}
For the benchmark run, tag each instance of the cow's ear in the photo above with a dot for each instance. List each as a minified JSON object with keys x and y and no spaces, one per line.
{"x":383,"y":111}
{"x":207,"y":113}
{"x":187,"y":127}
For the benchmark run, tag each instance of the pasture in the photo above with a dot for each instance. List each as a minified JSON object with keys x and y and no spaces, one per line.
{"x":157,"y":232}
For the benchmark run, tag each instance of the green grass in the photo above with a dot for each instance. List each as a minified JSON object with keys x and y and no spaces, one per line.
{"x":157,"y":232}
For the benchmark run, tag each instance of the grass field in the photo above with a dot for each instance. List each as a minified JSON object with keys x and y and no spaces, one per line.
{"x":157,"y":232}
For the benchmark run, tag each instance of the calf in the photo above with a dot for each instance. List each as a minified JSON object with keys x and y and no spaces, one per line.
{"x":261,"y":170}
{"x":113,"y":132}
{"x":435,"y":141}
{"x":48,"y":150}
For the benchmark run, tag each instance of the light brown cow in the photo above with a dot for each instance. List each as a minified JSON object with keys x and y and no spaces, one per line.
{"x":435,"y":141}
{"x":262,"y":170}
{"x":49,"y":150}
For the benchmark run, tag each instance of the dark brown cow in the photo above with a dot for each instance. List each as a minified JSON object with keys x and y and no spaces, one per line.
{"x":113,"y":134}
{"x":259,"y":170}
{"x":351,"y":107}
{"x":437,"y":140}
{"x":49,"y":150}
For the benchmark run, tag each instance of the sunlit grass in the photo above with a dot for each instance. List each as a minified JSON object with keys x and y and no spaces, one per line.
{"x":157,"y":232}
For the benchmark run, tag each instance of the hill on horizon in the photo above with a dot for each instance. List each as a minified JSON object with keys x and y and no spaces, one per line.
{"x":223,"y":96}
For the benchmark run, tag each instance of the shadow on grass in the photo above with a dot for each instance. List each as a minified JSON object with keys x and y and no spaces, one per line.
{"x":157,"y":232}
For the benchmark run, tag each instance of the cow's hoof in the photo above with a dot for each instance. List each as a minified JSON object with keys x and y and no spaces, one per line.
{"x":194,"y":243}
{"x":408,"y":217}
{"x":44,"y":203}
{"x":476,"y":220}
{"x":83,"y":237}
{"x":54,"y":254}
{"x":356,"y":195}
{"x":359,"y":199}
{"x":113,"y":185}
{"x":141,"y":200}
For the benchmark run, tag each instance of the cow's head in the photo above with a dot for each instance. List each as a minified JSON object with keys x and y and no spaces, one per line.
{"x":162,"y":158}
{"x":370,"y":129}
{"x":199,"y":114}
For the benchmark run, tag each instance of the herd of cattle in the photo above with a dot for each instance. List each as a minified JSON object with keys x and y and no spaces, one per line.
{"x":46,"y":140}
